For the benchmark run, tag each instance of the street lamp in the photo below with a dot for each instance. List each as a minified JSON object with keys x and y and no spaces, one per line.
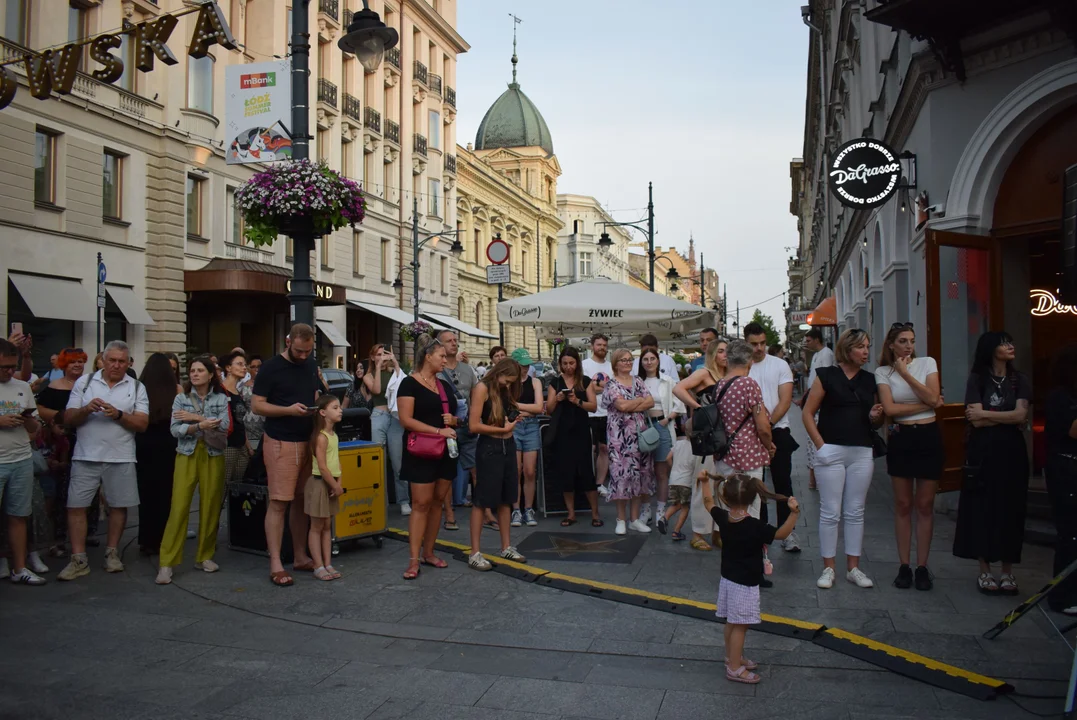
{"x":672,"y":275}
{"x":368,"y":38}
{"x":605,"y":242}
{"x":456,"y":249}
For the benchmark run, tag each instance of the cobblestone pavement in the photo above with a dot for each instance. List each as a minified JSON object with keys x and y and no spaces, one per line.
{"x":461,"y":644}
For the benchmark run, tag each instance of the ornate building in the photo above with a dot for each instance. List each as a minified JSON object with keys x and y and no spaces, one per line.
{"x":507,"y":187}
{"x":579,"y":256}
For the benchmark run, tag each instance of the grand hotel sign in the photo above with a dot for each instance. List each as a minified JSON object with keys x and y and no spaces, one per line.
{"x":53,"y":70}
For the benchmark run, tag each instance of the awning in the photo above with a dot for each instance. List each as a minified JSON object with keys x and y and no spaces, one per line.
{"x":129,"y":304}
{"x":332,"y":333}
{"x":395,"y":314}
{"x":56,"y":298}
{"x":460,"y":325}
{"x":826,"y":314}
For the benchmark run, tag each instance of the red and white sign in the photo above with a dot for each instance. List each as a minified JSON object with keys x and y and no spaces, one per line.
{"x":497,"y":251}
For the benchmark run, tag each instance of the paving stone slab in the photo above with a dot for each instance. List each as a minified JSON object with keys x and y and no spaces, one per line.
{"x":551,"y":697}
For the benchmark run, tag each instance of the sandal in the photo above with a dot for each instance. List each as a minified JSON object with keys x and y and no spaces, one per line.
{"x":304,"y":567}
{"x":333,"y":571}
{"x":568,"y":522}
{"x":597,"y":522}
{"x":281,"y":578}
{"x":741,"y":675}
{"x":748,"y":664}
{"x":413,"y":570}
{"x":987,"y":584}
{"x":700,"y":544}
{"x":323,"y":573}
{"x":1008,"y":584}
{"x":491,"y":526}
{"x":676,"y":536}
{"x":434,"y":561}
{"x":451,"y":525}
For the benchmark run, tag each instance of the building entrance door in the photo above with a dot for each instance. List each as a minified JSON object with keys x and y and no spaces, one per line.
{"x":964,"y":300}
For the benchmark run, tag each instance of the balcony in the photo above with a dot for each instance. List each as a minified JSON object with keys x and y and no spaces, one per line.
{"x":327,"y":91}
{"x":420,"y":144}
{"x":330,"y":8}
{"x":435,"y":84}
{"x":450,"y":164}
{"x":420,"y":72}
{"x":348,"y":15}
{"x":392,"y":132}
{"x":248,"y":253}
{"x":353,"y":108}
{"x":392,"y":56}
{"x":450,"y":96}
{"x":372,"y":120}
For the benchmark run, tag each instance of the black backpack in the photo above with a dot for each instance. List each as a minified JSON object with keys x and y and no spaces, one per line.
{"x":709,"y":436}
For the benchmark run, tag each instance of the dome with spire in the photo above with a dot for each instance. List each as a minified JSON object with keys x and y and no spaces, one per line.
{"x":513,"y":121}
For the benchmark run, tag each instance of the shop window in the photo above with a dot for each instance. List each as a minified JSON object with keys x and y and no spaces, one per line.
{"x":195,"y":190}
{"x":200,"y":84}
{"x":112,"y":185}
{"x":964,"y":298}
{"x":45,"y":167}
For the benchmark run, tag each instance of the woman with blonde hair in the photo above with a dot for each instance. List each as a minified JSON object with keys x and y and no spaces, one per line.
{"x":631,"y":470}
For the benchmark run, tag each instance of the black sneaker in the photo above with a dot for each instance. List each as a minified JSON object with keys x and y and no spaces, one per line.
{"x":923,"y":578}
{"x":766,"y":583}
{"x":904,"y":578}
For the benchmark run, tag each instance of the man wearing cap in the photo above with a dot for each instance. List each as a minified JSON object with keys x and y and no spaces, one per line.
{"x":527,"y":436}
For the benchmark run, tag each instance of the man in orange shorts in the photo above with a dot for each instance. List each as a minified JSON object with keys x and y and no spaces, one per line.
{"x":284,"y":389}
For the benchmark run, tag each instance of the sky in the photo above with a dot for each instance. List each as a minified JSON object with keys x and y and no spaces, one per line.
{"x":704,"y":98}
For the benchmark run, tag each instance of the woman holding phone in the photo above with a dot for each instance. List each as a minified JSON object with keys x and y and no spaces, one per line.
{"x":569,"y":398}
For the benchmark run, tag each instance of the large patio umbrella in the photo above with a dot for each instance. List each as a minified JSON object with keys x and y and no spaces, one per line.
{"x":616,"y":309}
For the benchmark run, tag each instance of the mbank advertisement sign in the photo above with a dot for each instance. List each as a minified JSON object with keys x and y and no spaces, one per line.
{"x":258,"y":100}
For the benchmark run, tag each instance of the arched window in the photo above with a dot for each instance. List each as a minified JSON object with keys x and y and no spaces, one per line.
{"x":460,"y":308}
{"x":478,"y":315}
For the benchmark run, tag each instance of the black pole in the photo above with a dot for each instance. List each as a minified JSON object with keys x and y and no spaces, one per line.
{"x":500,"y":325}
{"x":702,"y":282}
{"x":302,"y":292}
{"x":650,"y":229}
{"x":97,"y":271}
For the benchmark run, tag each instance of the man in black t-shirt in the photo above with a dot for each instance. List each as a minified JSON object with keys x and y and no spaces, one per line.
{"x":285,"y":387}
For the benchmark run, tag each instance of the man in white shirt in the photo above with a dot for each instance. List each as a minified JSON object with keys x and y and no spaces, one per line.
{"x":822,"y":357}
{"x":395,"y":437}
{"x":598,"y":364}
{"x":775,"y":379}
{"x":666,"y":366}
{"x":108,"y":407}
{"x":17,"y":424}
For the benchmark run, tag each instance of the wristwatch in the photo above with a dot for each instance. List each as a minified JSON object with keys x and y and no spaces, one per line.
{"x":120,"y":416}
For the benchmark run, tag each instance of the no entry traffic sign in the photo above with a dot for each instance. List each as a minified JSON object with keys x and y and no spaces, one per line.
{"x":497,"y":251}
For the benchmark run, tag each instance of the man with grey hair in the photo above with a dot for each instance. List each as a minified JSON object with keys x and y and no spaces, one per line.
{"x":461,"y":376}
{"x":108,"y":407}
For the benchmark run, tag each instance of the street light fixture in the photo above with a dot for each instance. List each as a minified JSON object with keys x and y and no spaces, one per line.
{"x":456,"y":249}
{"x":368,"y":38}
{"x":605,"y":242}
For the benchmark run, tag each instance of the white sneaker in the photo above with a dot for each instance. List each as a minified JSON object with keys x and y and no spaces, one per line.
{"x":791,"y":543}
{"x":478,"y":562}
{"x":826,"y":580}
{"x":660,"y":510}
{"x":517,"y":518}
{"x":857,"y":576}
{"x":113,"y":564}
{"x":405,"y":509}
{"x":5,"y":568}
{"x":164,"y":576}
{"x":511,"y":553}
{"x":207,"y":566}
{"x":34,"y":562}
{"x":76,"y":568}
{"x":603,"y":491}
{"x":27,"y":577}
{"x":620,"y":529}
{"x":645,"y":515}
{"x":639,"y":526}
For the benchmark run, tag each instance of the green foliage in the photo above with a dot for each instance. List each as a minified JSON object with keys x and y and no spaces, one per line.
{"x":768,"y":325}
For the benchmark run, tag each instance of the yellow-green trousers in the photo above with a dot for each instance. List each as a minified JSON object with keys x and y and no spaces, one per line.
{"x":206,"y":473}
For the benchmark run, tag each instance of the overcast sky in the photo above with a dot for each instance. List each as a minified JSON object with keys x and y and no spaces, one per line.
{"x":705,"y":98}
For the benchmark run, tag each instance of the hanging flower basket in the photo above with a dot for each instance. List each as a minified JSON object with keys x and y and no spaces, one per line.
{"x":414,"y":329}
{"x":556,"y":344}
{"x":295,"y":197}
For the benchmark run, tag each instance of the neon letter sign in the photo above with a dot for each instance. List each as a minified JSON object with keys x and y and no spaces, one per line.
{"x":1045,"y":303}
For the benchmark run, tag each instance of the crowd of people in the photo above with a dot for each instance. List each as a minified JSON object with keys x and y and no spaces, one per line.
{"x":615,"y":428}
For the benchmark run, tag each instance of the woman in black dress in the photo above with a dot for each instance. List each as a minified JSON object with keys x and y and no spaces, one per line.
{"x":155,"y":453}
{"x":1060,"y":430}
{"x":427,"y":406}
{"x":991,"y":510}
{"x":569,"y":398}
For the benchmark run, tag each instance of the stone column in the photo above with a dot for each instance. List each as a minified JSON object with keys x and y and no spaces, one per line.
{"x":166,"y":233}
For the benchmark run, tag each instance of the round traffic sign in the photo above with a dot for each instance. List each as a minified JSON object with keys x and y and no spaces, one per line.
{"x":101,"y":275}
{"x":497,"y":251}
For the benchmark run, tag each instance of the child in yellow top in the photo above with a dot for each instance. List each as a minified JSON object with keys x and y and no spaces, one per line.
{"x":323,"y":489}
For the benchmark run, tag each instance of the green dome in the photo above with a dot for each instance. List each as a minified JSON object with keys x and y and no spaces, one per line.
{"x":513,"y":121}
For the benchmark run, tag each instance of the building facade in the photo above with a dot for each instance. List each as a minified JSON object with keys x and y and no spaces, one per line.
{"x":579,"y":256}
{"x":136,"y":170}
{"x":983,"y":101}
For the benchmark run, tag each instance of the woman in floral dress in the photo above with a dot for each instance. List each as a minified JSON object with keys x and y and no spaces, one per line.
{"x":631,"y":471}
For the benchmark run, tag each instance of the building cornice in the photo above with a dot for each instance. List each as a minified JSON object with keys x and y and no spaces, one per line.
{"x":435,"y":22}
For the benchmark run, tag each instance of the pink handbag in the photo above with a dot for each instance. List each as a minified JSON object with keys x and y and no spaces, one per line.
{"x":430,"y":446}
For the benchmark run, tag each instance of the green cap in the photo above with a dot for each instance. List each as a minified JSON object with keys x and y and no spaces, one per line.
{"x":522,"y":356}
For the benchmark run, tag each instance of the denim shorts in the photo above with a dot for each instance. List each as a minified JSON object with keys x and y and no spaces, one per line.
{"x":526,"y":435}
{"x":665,"y":441}
{"x":17,"y":484}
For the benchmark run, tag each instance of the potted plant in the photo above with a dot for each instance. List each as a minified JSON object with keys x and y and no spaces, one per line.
{"x":298,"y":196}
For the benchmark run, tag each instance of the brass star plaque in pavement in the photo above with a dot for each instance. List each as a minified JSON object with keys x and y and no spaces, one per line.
{"x":582,"y":547}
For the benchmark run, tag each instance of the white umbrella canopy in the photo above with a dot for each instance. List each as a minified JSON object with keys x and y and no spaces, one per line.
{"x":607,"y":306}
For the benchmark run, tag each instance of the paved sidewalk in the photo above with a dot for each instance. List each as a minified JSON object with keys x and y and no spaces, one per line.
{"x":461,"y":644}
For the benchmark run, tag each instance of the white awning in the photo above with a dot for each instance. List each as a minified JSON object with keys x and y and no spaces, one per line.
{"x":129,"y":304}
{"x":56,"y":298}
{"x":459,"y":325}
{"x":395,"y":314}
{"x":332,"y":333}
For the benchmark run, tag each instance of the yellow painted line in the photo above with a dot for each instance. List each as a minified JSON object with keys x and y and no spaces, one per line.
{"x":802,"y":624}
{"x":914,"y":658}
{"x":606,"y":586}
{"x":531,"y":569}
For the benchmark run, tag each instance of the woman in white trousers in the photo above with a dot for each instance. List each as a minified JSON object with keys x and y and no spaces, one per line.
{"x":845,"y":397}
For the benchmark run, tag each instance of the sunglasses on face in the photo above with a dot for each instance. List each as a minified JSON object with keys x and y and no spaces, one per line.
{"x":901,"y":325}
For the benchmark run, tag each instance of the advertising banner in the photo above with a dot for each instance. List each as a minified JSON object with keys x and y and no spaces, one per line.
{"x":258,"y":100}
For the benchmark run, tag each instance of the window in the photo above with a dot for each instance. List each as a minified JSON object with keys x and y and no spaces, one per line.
{"x":200,"y":84}
{"x":477,"y":247}
{"x":386,"y":260}
{"x":195,"y":187}
{"x":585,"y":264}
{"x":126,"y":53}
{"x":289,"y":250}
{"x":478,"y":314}
{"x":45,"y":167}
{"x":357,"y":253}
{"x":77,"y":29}
{"x":347,"y":168}
{"x":327,"y":252}
{"x":237,"y":227}
{"x":523,"y":266}
{"x":435,"y":131}
{"x":112,"y":185}
{"x":15,"y":22}
{"x":435,"y":197}
{"x":323,"y":146}
{"x":445,"y":275}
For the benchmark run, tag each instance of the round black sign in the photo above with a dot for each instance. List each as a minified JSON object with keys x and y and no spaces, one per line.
{"x":864,"y":173}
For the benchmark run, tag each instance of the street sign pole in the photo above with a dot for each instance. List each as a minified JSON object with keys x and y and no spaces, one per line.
{"x":501,"y":325}
{"x":100,"y":298}
{"x":497,"y":252}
